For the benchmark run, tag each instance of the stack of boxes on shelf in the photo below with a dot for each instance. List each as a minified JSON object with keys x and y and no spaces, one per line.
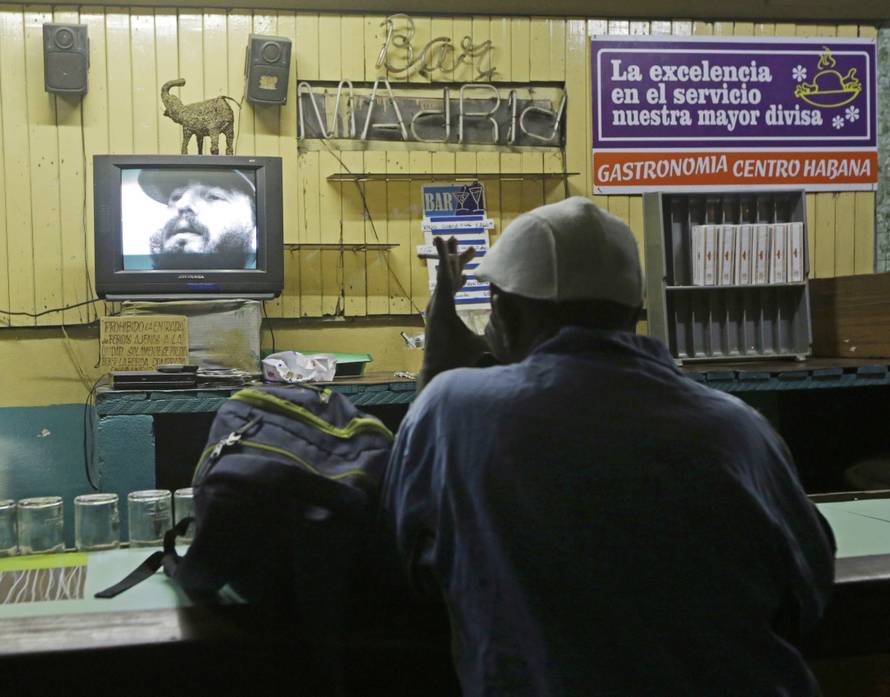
{"x":747,"y":254}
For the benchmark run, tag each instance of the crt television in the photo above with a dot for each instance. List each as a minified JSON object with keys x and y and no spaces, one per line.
{"x":183,"y":226}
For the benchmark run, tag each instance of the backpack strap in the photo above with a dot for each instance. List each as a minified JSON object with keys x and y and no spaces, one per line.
{"x":168,"y":558}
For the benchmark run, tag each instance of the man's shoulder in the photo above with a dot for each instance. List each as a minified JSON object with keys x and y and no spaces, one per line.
{"x":455,"y":389}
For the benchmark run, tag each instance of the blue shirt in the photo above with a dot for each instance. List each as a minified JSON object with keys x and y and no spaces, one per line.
{"x":599,"y":524}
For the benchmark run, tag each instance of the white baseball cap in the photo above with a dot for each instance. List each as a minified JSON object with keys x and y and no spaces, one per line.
{"x":569,"y":250}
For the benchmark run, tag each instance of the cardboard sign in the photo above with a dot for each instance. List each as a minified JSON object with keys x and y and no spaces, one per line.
{"x":143,"y":343}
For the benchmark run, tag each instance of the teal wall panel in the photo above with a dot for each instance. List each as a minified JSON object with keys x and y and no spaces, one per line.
{"x":42,"y":454}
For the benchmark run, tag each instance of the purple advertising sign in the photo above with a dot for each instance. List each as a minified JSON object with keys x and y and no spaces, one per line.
{"x":767,"y":113}
{"x":758,"y":93}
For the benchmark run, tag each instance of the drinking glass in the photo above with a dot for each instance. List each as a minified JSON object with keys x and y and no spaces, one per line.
{"x":150,"y":513}
{"x":8,"y":535}
{"x":97,"y":523}
{"x":41,"y":525}
{"x":184,"y":507}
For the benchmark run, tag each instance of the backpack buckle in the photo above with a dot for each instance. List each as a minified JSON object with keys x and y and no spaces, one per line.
{"x":233,"y":437}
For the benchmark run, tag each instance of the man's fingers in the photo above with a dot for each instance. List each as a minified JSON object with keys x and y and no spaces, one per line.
{"x":466,"y":256}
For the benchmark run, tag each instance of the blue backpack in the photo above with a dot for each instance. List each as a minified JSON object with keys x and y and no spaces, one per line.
{"x":286,"y":496}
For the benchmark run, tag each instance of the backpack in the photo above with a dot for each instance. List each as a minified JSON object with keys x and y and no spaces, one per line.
{"x":287,"y":506}
{"x":286,"y":495}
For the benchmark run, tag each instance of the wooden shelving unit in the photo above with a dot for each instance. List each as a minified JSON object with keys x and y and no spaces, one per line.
{"x":733,"y":322}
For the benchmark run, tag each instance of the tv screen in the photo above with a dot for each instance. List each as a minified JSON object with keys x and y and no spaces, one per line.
{"x":185,"y":226}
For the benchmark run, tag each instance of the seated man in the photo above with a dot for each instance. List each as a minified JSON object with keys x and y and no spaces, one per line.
{"x":597,"y":523}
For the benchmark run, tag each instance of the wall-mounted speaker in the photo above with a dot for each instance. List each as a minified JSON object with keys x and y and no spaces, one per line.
{"x":66,"y":58}
{"x":266,"y":68}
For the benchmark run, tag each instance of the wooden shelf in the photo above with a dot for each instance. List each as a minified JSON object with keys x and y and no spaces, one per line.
{"x":446,"y":176}
{"x":349,"y":246}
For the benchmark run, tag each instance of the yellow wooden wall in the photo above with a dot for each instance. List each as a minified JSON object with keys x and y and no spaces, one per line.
{"x":48,"y":142}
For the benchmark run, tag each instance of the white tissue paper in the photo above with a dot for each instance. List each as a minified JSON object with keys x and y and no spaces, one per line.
{"x":292,"y":367}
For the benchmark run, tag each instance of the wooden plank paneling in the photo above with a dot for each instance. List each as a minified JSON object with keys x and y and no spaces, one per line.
{"x":520,"y":61}
{"x":289,"y":305}
{"x":331,"y":225}
{"x":120,"y":81}
{"x":135,"y":50}
{"x":95,"y":108}
{"x":167,"y":67}
{"x":355,"y":282}
{"x":267,"y":132}
{"x":377,"y":232}
{"x":16,"y":160}
{"x":216,"y":59}
{"x":191,"y":61}
{"x":845,"y":234}
{"x":423,"y":32}
{"x":462,"y":27}
{"x":441,"y":27}
{"x":266,"y":117}
{"x":43,"y":148}
{"x":375,"y":36}
{"x":532,"y":187}
{"x":5,"y":319}
{"x":578,"y":123}
{"x":398,"y":196}
{"x":146,"y":91}
{"x":863,"y":202}
{"x":481,"y":34}
{"x":306,"y":51}
{"x":310,"y":233}
{"x":239,"y":25}
{"x":502,"y":48}
{"x":557,"y":48}
{"x":420,"y":162}
{"x":864,"y":234}
{"x":72,"y":216}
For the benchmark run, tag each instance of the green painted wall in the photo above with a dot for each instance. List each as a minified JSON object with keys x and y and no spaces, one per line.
{"x":41,"y":454}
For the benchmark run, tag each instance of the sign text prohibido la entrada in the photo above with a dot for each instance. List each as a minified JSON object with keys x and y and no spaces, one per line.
{"x":710,"y":114}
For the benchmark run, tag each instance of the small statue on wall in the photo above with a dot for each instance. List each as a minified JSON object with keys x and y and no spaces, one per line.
{"x":207,"y":119}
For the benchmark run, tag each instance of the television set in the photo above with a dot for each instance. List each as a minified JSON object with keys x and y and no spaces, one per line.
{"x":171,"y":227}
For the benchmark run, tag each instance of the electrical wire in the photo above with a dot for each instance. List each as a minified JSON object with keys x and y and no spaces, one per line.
{"x":370,"y":219}
{"x":89,"y":425}
{"x":240,"y":116}
{"x":35,"y":315}
{"x":269,"y":325}
{"x":86,"y":264}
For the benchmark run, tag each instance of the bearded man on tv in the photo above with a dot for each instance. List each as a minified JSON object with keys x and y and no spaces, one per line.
{"x":211,"y":221}
{"x":597,"y":523}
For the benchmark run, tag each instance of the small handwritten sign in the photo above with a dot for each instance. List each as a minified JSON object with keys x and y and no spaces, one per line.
{"x":143,"y":343}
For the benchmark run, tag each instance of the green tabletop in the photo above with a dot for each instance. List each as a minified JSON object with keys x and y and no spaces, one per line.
{"x":861,"y":528}
{"x":57,"y":584}
{"x":63,"y":584}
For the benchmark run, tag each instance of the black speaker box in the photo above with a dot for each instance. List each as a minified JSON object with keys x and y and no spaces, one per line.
{"x":66,"y":58}
{"x":266,"y":69}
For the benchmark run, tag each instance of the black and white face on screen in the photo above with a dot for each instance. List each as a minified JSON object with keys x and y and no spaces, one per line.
{"x":188,"y":218}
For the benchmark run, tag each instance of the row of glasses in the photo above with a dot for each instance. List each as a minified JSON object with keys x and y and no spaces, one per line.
{"x":36,"y":525}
